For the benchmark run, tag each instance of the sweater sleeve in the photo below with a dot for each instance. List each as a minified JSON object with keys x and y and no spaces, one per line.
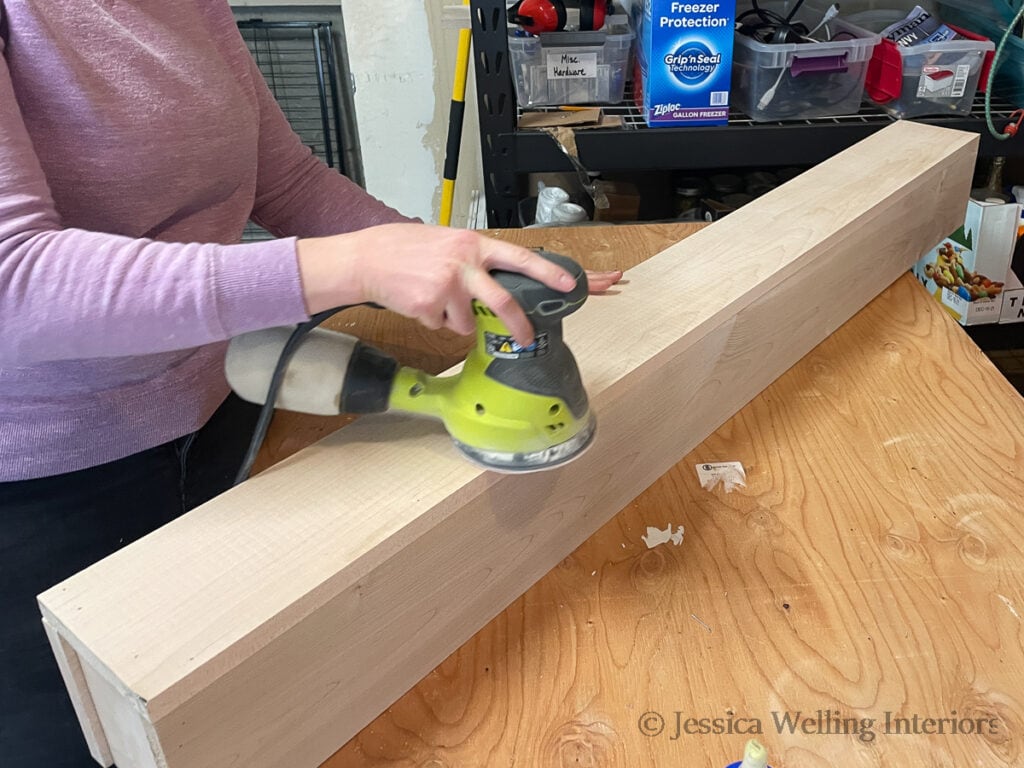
{"x":70,"y":293}
{"x":297,"y":193}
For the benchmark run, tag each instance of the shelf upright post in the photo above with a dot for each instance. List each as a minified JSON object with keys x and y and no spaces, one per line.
{"x":496,"y":104}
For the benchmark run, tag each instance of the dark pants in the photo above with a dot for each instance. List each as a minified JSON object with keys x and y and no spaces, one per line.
{"x":54,"y":527}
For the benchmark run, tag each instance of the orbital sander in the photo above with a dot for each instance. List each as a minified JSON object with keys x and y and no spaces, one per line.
{"x":510,"y":408}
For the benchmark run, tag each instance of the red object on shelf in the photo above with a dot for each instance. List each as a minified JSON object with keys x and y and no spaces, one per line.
{"x":1012,"y":128}
{"x":884,"y":80}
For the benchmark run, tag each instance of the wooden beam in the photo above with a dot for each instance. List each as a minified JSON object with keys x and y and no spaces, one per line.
{"x":81,"y":695}
{"x":268,"y":626}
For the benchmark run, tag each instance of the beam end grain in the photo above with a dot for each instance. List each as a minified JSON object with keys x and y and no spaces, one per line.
{"x":81,"y":697}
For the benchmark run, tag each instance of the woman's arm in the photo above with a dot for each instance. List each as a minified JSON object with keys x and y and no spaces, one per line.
{"x":72,"y":293}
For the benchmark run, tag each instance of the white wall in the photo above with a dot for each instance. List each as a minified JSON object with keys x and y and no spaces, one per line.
{"x":402,"y":60}
{"x":403,"y":63}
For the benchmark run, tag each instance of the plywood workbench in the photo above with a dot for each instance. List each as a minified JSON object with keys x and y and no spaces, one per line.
{"x":873,"y":564}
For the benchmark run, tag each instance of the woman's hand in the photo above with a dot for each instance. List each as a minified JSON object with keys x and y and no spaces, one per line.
{"x":427,"y":273}
{"x":598,"y":282}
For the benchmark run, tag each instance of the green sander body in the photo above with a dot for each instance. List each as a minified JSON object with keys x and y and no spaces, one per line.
{"x":510,"y":408}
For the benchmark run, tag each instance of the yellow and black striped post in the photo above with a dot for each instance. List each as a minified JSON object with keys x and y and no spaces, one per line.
{"x":455,"y":117}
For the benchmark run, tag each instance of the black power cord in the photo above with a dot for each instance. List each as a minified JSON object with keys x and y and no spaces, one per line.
{"x":772,"y":27}
{"x":792,"y":96}
{"x":267,"y":410}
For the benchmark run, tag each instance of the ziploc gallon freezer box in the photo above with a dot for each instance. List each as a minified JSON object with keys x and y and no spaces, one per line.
{"x":684,"y":61}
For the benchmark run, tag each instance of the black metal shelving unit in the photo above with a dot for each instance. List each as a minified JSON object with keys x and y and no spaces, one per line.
{"x":508,"y":153}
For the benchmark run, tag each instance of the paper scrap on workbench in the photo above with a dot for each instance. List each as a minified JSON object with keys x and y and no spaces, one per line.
{"x":730,"y":473}
{"x":656,"y":536}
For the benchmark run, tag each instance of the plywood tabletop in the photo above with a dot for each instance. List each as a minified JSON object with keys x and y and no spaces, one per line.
{"x":862,"y":593}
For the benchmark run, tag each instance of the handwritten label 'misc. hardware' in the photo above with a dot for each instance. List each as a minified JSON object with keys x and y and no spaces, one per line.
{"x":562,"y":66}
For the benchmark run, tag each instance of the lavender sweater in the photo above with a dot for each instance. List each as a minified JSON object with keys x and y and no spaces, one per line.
{"x":136,"y":139}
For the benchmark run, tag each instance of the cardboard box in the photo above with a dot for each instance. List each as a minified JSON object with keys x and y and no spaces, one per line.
{"x":966,"y":272}
{"x":1013,"y":300}
{"x":623,"y":201}
{"x":683,"y":67}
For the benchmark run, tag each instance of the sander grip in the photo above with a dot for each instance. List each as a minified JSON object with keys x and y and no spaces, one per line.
{"x":328,"y":373}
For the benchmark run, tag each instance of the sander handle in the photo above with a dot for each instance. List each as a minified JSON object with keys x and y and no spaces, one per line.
{"x":328,"y":372}
{"x":542,"y":304}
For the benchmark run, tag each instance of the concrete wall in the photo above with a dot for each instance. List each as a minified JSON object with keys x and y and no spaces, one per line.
{"x":402,"y":59}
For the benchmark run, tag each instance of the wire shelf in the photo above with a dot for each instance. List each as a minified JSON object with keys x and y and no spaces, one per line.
{"x":633,"y":119}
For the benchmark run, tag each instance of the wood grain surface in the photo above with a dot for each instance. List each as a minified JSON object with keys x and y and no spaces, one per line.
{"x":270,"y":625}
{"x":872,"y":568}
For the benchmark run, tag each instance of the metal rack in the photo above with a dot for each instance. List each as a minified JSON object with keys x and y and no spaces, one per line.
{"x":507,"y":153}
{"x":299,"y":62}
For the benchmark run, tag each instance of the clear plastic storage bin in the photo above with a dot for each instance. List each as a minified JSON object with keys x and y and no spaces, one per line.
{"x":928,"y":79}
{"x":986,"y":20}
{"x":795,"y":81}
{"x":572,"y":67}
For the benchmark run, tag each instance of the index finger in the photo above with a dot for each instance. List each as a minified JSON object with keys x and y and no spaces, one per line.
{"x":486,"y":289}
{"x":515,"y":258}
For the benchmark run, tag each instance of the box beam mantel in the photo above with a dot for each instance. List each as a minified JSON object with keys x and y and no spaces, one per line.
{"x":268,"y":626}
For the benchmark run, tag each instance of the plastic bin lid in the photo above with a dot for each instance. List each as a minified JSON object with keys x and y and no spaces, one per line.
{"x":884,"y":79}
